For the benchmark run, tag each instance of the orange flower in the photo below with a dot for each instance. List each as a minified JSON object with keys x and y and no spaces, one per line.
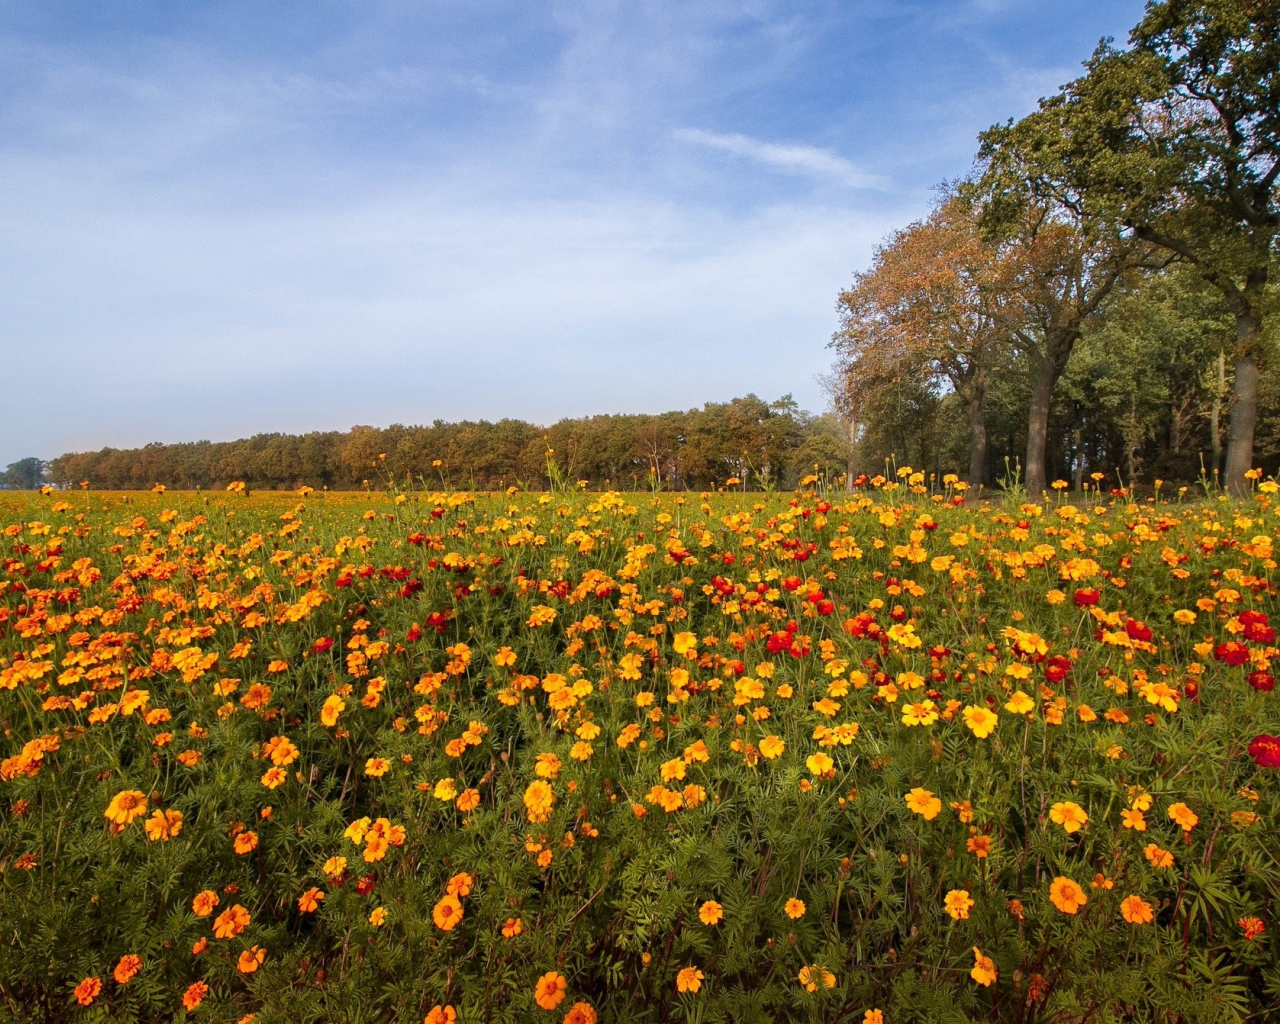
{"x":274,"y":777}
{"x":129,"y":965}
{"x":378,"y":916}
{"x":984,"y":968}
{"x":689,"y":979}
{"x":1066,"y":895}
{"x":1136,"y":910}
{"x":710,"y":913}
{"x":251,"y":959}
{"x":194,"y":995}
{"x":873,"y":1017}
{"x":460,"y":885}
{"x":794,"y":908}
{"x":814,"y":977}
{"x":468,"y":800}
{"x":231,"y":922}
{"x":441,"y":1015}
{"x":512,"y":927}
{"x":377,"y":766}
{"x":281,"y":750}
{"x":958,"y":904}
{"x":310,"y":900}
{"x":539,"y":800}
{"x":772,"y":747}
{"x":1071,"y":816}
{"x":922,"y":802}
{"x":204,"y":902}
{"x":1183,"y":816}
{"x":447,"y":913}
{"x":548,"y":993}
{"x":1133,"y":819}
{"x":580,"y":1013}
{"x":1252,"y":927}
{"x":1157,"y":857}
{"x":246,"y":842}
{"x":125,"y":806}
{"x":163,"y":825}
{"x":88,"y":990}
{"x":979,"y":846}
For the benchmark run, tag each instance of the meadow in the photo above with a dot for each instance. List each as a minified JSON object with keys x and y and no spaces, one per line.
{"x":880,"y":756}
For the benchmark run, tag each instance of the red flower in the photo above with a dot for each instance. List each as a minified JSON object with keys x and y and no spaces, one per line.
{"x":1265,"y":750}
{"x":322,"y":645}
{"x":1086,"y":596}
{"x":1233,"y":653}
{"x":1137,"y":630}
{"x":1263,"y":681}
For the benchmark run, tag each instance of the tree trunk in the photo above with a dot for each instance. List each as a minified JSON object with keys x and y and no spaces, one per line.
{"x":1215,"y":419}
{"x":977,"y":437}
{"x":1079,"y":466}
{"x":1244,"y":415}
{"x":1057,"y":351}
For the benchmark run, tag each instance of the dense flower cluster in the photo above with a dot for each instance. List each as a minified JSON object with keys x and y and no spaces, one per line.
{"x":871,"y":756}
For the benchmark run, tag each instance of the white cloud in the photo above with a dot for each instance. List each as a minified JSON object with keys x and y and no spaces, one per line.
{"x":796,"y":159}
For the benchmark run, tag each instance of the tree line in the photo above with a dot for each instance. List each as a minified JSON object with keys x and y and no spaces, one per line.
{"x":757,"y":444}
{"x":1099,"y":294}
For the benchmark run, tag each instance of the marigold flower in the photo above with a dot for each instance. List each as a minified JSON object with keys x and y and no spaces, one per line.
{"x":1252,"y":927}
{"x":794,"y":908}
{"x":981,"y":721}
{"x":310,"y":900}
{"x":231,"y":922}
{"x":539,"y":800}
{"x":1157,"y":857}
{"x":377,"y":767}
{"x":163,"y":825}
{"x":440,"y":1015}
{"x":580,"y":1013}
{"x":194,"y":995}
{"x":924,"y":803}
{"x":468,"y":800}
{"x":813,"y":977}
{"x":1071,"y":816}
{"x":958,"y":903}
{"x":204,"y":902}
{"x":1136,"y":910}
{"x":1134,"y":820}
{"x":88,"y":990}
{"x":378,"y":916}
{"x":329,"y":711}
{"x":460,"y":885}
{"x":549,"y":991}
{"x":447,"y":913}
{"x":125,"y":807}
{"x":251,"y":959}
{"x":246,"y":842}
{"x":1019,"y":703}
{"x":1183,"y":816}
{"x":689,"y":979}
{"x":1067,"y":895}
{"x":772,"y":747}
{"x":710,"y":913}
{"x":512,"y":927}
{"x":979,"y":846}
{"x":984,"y":968}
{"x":130,"y":964}
{"x":821,"y":765}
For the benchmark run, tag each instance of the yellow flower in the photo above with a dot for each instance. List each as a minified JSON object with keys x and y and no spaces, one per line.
{"x":923,"y":713}
{"x":821,"y":765}
{"x":1183,"y":816}
{"x":958,"y":903}
{"x":772,"y":747}
{"x":1136,"y":910}
{"x":1019,"y":703}
{"x":981,"y":721}
{"x":1067,"y":895}
{"x":813,"y":977}
{"x":1071,"y":816}
{"x":711,"y":913}
{"x":794,"y":908}
{"x":984,"y":968}
{"x":689,"y":979}
{"x":922,"y":802}
{"x":125,"y":807}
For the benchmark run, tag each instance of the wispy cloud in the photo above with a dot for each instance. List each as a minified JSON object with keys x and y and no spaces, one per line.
{"x":795,"y":159}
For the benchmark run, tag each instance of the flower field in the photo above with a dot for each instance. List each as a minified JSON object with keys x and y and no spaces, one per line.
{"x":882,"y":756}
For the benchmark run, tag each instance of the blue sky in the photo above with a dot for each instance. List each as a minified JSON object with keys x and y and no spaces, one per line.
{"x":226,"y":218}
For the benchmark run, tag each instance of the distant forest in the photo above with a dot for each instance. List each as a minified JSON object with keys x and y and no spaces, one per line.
{"x":764,"y":444}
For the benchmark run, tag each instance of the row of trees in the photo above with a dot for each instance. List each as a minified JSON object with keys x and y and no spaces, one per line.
{"x":762,"y":444}
{"x":1106,"y":272}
